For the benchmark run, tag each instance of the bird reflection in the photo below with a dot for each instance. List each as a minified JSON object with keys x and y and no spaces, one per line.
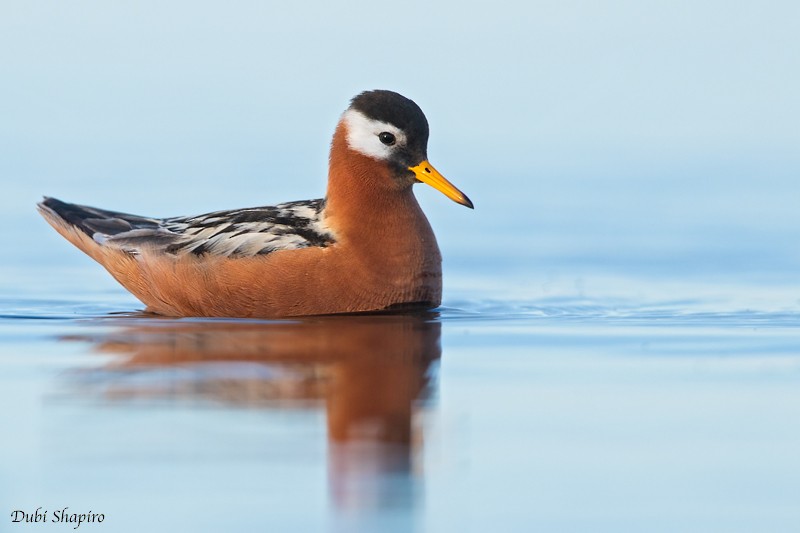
{"x":371,"y":372}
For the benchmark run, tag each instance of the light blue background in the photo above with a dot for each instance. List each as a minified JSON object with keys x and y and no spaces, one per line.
{"x":620,"y":334}
{"x":597,"y":139}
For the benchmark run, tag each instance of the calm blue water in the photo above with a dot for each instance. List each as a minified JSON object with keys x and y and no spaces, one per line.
{"x":619,"y":346}
{"x":569,"y":414}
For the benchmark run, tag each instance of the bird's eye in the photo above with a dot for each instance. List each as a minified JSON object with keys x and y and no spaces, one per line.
{"x":387,"y":138}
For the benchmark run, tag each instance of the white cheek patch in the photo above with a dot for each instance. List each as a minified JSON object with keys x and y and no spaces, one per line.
{"x":362,"y":135}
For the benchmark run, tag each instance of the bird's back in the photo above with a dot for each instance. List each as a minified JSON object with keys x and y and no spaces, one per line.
{"x":234,"y":233}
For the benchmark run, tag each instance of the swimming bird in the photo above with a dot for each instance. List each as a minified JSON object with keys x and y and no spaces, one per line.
{"x":367,"y":246}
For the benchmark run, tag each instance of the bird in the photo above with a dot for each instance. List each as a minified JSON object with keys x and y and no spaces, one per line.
{"x":365,"y":247}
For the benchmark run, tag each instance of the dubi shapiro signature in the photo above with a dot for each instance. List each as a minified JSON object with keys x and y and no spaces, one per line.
{"x":59,"y":516}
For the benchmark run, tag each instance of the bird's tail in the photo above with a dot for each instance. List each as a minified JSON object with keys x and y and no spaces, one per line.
{"x":97,"y":224}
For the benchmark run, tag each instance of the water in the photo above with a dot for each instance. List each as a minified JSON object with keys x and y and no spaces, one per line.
{"x":567,"y":415}
{"x":619,"y":345}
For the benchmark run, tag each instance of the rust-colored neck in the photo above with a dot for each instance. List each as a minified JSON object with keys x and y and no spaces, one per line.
{"x":364,"y":199}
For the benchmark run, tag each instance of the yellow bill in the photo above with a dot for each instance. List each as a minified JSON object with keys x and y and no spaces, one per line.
{"x":427,"y":174}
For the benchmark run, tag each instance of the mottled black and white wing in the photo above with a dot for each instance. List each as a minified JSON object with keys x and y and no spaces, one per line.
{"x":236,"y":233}
{"x":254,"y":231}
